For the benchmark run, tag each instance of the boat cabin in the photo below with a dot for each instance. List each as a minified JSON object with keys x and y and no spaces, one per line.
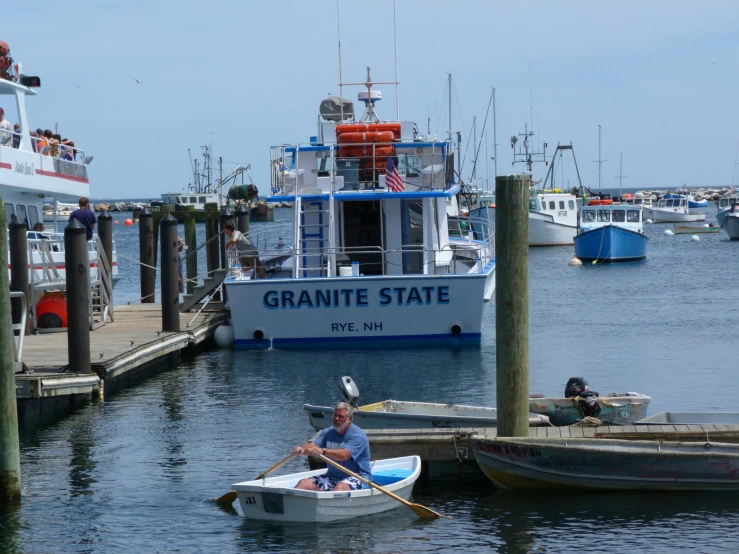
{"x":618,"y":215}
{"x":196,"y":199}
{"x":726,"y":202}
{"x":674,"y":204}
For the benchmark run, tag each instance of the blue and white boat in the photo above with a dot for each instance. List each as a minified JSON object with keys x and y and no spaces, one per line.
{"x":375,"y":259}
{"x":724,"y":206}
{"x":610,"y":233}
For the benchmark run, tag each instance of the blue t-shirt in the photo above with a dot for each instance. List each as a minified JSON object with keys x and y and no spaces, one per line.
{"x":86,"y":217}
{"x":356,"y":442}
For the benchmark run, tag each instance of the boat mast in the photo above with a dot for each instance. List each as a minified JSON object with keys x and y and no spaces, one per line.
{"x":600,"y":162}
{"x":474,"y":147}
{"x":525,"y":153}
{"x":395,"y":47}
{"x":449,"y":86}
{"x":620,"y":173}
{"x":495,"y":144}
{"x":341,"y":86}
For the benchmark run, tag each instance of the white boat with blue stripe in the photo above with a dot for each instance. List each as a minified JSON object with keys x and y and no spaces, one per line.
{"x":610,"y":233}
{"x":372,"y":255}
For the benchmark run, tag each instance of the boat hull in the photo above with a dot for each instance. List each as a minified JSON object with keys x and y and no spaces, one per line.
{"x":392,"y":414}
{"x":603,"y":464}
{"x":276,"y":499}
{"x":669,"y":216}
{"x":614,"y":410}
{"x":730,"y":224}
{"x":356,"y":311}
{"x":611,"y":244}
{"x":543,"y":230}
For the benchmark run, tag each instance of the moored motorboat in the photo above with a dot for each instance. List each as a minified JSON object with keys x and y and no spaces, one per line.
{"x":374,"y":258}
{"x":277,"y":499}
{"x":692,"y":230}
{"x":674,"y":210}
{"x":610,"y":233}
{"x":723,"y":206}
{"x":607,"y":464}
{"x":398,"y":414}
{"x":580,"y":402}
{"x":730,"y":222}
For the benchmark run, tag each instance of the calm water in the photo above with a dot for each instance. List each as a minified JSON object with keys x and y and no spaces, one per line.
{"x":140,"y":472}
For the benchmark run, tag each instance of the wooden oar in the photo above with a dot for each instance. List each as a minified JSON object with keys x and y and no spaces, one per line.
{"x":421,"y":511}
{"x":228,"y":498}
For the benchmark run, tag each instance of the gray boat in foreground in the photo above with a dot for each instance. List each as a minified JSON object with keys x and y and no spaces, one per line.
{"x":603,"y":464}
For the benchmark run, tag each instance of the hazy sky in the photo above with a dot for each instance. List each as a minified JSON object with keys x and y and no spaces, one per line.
{"x":661,"y":77}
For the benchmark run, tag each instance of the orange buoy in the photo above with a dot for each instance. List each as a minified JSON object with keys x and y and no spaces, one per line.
{"x":128,"y":222}
{"x":51,"y":310}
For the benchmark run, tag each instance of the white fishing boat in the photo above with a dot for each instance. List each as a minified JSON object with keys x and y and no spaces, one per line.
{"x":641,"y":201}
{"x":398,"y":414}
{"x":28,"y":179}
{"x":674,"y":210}
{"x":277,"y":499}
{"x":724,"y":206}
{"x":374,"y":259}
{"x":608,"y":464}
{"x":730,"y":223}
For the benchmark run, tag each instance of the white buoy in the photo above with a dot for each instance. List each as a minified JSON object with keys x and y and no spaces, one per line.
{"x":668,"y":232}
{"x":648,"y":221}
{"x":575,"y":262}
{"x":695,"y":238}
{"x":706,"y":225}
{"x":224,"y":336}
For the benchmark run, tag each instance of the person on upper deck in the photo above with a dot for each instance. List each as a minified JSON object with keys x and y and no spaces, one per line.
{"x":84,"y":215}
{"x":47,"y":142}
{"x":346,"y":444}
{"x":16,"y":135}
{"x":4,"y":126}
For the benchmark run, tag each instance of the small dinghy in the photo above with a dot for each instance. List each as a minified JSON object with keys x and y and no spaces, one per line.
{"x":399,"y":414}
{"x":277,"y":499}
{"x":579,"y":402}
{"x":605,"y":464}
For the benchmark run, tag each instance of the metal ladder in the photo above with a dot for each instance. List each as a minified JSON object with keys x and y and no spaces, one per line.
{"x":313,"y":232}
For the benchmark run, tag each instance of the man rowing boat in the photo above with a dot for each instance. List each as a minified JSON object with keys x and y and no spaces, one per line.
{"x":346,"y":444}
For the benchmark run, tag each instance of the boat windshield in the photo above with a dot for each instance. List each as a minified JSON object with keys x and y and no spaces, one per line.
{"x":619,"y":216}
{"x":588,"y":216}
{"x":632,"y":216}
{"x":604,"y":215}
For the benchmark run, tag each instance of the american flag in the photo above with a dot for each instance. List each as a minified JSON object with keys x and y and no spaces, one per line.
{"x":392,"y":178}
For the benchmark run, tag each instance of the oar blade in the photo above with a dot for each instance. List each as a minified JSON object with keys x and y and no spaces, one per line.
{"x":227,"y":499}
{"x":426,"y":513}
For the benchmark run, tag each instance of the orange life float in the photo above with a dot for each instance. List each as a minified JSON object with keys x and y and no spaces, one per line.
{"x":371,"y":127}
{"x":603,"y":202}
{"x":51,"y":310}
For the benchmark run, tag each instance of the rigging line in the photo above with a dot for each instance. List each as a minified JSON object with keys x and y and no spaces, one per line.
{"x":459,"y":108}
{"x":474,"y":166}
{"x":441,"y":111}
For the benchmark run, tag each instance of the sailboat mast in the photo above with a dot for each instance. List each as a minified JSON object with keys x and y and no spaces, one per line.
{"x":474,"y":146}
{"x":599,"y":160}
{"x":620,"y":172}
{"x":495,"y":143}
{"x":449,"y":86}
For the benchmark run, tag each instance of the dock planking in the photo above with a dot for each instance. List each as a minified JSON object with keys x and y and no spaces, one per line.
{"x":129,"y":348}
{"x":447,"y":445}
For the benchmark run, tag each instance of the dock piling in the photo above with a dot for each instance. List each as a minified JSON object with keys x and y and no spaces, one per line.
{"x":170,"y":284}
{"x":10,"y":462}
{"x":191,"y":261}
{"x":512,"y":304}
{"x":76,"y":262}
{"x":19,"y":267}
{"x":105,"y":233}
{"x":226,"y":217}
{"x":242,"y":219}
{"x":146,"y":256}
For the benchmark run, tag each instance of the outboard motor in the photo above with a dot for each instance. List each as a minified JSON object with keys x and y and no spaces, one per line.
{"x":575,"y":386}
{"x":349,"y":390}
{"x":589,"y":404}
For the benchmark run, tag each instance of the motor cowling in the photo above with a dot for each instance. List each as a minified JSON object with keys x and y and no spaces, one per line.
{"x":349,"y":390}
{"x":575,"y":386}
{"x":589,"y":404}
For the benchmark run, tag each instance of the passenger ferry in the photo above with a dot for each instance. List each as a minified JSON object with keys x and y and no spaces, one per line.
{"x":29,"y":179}
{"x":610,"y":233}
{"x":372,"y":256}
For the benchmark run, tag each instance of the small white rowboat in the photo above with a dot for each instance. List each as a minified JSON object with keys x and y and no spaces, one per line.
{"x":276,"y":499}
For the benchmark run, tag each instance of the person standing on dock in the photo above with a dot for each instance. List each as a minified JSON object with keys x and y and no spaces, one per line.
{"x":84,"y":215}
{"x":344,"y":443}
{"x":180,"y":247}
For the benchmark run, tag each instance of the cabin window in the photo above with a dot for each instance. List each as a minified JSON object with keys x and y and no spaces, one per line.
{"x":552,"y":205}
{"x":532,"y":204}
{"x":632,"y":216}
{"x":669,"y":203}
{"x":22,"y":214}
{"x":409,"y":165}
{"x":193,"y":200}
{"x":32,"y":216}
{"x":202,"y":199}
{"x":571,"y":204}
{"x":9,"y":212}
{"x":561,"y":204}
{"x":604,"y":215}
{"x":588,"y":216}
{"x":619,"y":216}
{"x":637,"y":202}
{"x":543,"y":205}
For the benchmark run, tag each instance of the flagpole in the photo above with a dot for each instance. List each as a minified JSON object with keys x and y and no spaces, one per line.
{"x":395,"y":46}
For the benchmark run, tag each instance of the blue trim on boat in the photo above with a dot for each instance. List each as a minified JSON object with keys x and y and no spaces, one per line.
{"x":269,"y":282}
{"x":320,"y":342}
{"x":611,"y":243}
{"x":371,"y":195}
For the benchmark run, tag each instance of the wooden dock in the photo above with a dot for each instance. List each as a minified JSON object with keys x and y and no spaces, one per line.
{"x":131,"y":347}
{"x":444,"y":446}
